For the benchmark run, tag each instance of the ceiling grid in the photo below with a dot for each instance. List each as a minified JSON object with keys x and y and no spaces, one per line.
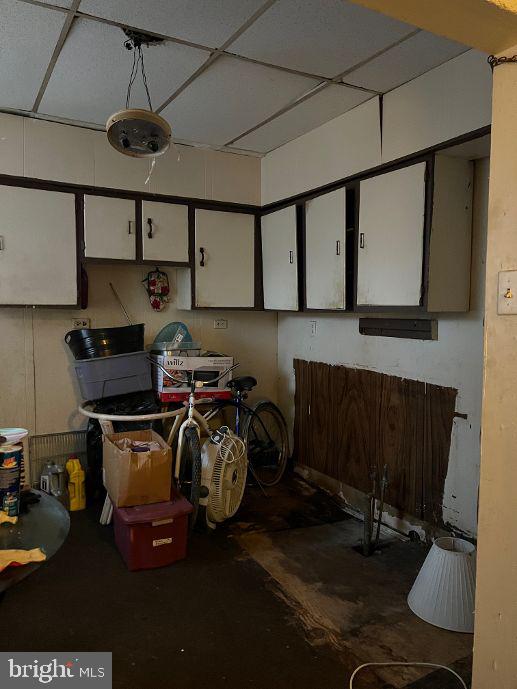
{"x":231,"y":74}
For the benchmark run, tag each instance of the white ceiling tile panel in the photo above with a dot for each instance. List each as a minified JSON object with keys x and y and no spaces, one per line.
{"x":406,"y":61}
{"x":25,"y":52}
{"x":59,"y":3}
{"x":209,"y":22}
{"x":320,"y":108}
{"x":89,"y":81}
{"x":229,"y":98}
{"x":323,"y":37}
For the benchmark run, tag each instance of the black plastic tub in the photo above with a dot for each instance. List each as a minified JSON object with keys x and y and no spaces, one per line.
{"x":92,"y":343}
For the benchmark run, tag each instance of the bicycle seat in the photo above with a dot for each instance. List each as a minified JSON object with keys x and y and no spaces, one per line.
{"x":242,"y":384}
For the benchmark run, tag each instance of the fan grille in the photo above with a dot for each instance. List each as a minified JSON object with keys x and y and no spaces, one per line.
{"x":228,"y":478}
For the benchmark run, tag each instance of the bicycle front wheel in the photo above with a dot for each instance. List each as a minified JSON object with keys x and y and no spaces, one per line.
{"x":190,"y":473}
{"x":265,"y":434}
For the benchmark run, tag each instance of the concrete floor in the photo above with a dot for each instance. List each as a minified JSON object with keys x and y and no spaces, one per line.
{"x":276,"y":599}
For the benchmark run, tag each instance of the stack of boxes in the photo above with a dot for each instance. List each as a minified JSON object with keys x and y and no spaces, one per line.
{"x":150,"y":518}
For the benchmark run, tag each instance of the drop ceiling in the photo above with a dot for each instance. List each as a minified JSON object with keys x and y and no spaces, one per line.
{"x":241,"y":74}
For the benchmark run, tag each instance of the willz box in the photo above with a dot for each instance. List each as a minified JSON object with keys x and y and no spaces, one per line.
{"x":204,"y":367}
{"x":137,"y":478}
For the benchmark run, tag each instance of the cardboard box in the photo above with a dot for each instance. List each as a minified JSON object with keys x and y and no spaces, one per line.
{"x":205,"y":367}
{"x":137,"y":478}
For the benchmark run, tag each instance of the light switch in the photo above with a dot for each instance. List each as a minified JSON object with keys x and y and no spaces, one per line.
{"x":507,"y":292}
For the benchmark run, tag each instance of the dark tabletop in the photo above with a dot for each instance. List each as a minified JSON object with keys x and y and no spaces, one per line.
{"x":44,"y":526}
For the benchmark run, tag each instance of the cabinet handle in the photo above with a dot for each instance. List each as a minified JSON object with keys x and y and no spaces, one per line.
{"x":2,"y":245}
{"x":338,"y":248}
{"x":202,"y":261}
{"x":129,"y":226}
{"x":291,"y":256}
{"x":150,"y":232}
{"x":361,"y":240}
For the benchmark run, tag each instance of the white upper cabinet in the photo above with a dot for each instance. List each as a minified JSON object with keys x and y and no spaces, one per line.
{"x":325,"y":236}
{"x":109,"y":228}
{"x":451,"y":235}
{"x":115,"y":170}
{"x":394,"y":234}
{"x":38,"y":248}
{"x":391,"y":238}
{"x":224,"y":259}
{"x":280,"y":260}
{"x":58,"y":152}
{"x":164,"y":232}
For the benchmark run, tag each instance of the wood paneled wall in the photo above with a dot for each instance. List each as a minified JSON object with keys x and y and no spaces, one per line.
{"x":349,"y":421}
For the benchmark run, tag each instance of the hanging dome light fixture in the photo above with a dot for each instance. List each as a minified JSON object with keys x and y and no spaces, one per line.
{"x":137,"y":132}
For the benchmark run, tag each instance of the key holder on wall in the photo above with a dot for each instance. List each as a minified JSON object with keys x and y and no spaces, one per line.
{"x":157,"y":287}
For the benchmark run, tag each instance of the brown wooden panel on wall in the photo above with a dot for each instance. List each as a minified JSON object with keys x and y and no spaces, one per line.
{"x":349,"y":422}
{"x":440,"y":405}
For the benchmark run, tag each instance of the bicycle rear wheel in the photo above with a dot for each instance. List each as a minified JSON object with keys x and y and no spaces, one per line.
{"x":190,"y":473}
{"x":265,"y":433}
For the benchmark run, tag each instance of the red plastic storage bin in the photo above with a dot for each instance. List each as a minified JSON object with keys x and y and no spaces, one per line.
{"x":155,"y":535}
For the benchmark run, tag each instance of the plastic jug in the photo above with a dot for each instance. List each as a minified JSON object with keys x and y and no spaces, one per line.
{"x":76,"y":484}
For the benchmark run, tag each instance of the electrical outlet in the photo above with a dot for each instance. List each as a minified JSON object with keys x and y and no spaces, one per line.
{"x":314,"y":328}
{"x":220,"y":324}
{"x":78,"y":323}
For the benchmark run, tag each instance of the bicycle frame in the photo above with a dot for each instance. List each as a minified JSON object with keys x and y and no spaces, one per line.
{"x":194,"y":419}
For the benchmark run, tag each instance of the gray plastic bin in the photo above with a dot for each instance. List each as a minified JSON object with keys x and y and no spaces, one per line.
{"x":114,"y":375}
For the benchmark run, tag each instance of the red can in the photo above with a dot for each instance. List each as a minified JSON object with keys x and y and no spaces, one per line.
{"x":155,"y":535}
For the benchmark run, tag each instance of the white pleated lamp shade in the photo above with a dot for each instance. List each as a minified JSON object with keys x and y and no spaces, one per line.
{"x":443,"y":593}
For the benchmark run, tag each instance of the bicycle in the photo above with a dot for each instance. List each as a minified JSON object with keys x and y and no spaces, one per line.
{"x":263,"y":429}
{"x":188,"y":448}
{"x":267,"y":456}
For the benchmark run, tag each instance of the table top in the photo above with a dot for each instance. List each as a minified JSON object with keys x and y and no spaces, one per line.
{"x":44,"y":526}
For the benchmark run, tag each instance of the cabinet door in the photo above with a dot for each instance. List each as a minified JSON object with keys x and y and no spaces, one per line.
{"x":279,"y":260}
{"x":325,"y":233}
{"x":109,"y":228}
{"x":391,"y":238}
{"x":38,"y":247}
{"x":224,"y":259}
{"x":165,"y":237}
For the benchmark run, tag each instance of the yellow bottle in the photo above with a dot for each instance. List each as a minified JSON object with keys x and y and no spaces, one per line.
{"x":76,"y":484}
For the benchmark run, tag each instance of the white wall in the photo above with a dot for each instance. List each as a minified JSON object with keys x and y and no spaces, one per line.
{"x":38,"y":389}
{"x":345,"y":145}
{"x":454,"y":360}
{"x":446,"y":102}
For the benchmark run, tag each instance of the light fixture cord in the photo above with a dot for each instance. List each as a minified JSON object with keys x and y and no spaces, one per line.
{"x":138,"y":62}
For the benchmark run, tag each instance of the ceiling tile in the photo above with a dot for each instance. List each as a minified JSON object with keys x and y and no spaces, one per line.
{"x":209,"y":22}
{"x":231,"y":97}
{"x":59,"y":3}
{"x":322,"y":37}
{"x":90,"y":79}
{"x":25,"y":52}
{"x":406,"y":61}
{"x":320,"y":108}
